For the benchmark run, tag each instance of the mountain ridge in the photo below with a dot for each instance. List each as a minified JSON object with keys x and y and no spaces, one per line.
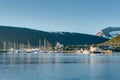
{"x":109,"y":32}
{"x":22,"y":35}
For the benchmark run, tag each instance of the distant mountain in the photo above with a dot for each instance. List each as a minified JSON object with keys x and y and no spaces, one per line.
{"x":109,"y":32}
{"x":22,"y":35}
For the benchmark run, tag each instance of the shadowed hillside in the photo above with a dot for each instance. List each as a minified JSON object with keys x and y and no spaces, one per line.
{"x":22,"y":35}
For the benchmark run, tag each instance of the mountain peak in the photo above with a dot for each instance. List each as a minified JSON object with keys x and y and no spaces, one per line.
{"x":109,"y":32}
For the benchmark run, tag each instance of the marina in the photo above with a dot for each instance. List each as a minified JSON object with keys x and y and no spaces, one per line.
{"x":60,"y":40}
{"x":46,"y":48}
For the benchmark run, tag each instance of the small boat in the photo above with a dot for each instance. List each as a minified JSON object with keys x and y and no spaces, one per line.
{"x":97,"y":50}
{"x":106,"y":52}
{"x":83,"y":51}
{"x":86,"y":52}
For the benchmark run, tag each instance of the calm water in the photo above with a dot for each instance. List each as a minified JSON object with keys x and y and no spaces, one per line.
{"x":59,"y":67}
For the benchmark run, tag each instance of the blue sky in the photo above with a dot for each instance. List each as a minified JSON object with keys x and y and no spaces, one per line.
{"x":82,"y":16}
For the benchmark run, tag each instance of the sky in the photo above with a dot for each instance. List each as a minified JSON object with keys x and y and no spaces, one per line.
{"x":81,"y":16}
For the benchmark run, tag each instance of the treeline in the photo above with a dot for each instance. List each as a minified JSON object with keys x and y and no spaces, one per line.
{"x":22,"y":35}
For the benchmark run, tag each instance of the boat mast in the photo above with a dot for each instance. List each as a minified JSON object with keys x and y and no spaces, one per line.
{"x":39,"y":44}
{"x":28,"y":44}
{"x":4,"y":46}
{"x":14,"y":46}
{"x":45,"y":44}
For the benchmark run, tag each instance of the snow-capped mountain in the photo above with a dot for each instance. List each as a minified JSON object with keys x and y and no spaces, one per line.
{"x":109,"y":32}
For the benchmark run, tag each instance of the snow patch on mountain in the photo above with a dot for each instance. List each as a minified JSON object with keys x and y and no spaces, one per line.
{"x":114,"y":33}
{"x":109,"y":32}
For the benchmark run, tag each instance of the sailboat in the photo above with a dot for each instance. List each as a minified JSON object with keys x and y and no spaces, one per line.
{"x":4,"y":48}
{"x":28,"y":50}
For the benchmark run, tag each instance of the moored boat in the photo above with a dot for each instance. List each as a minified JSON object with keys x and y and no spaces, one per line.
{"x":97,"y":50}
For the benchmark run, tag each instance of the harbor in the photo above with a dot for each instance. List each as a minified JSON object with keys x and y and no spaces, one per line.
{"x":46,"y":48}
{"x":60,"y":40}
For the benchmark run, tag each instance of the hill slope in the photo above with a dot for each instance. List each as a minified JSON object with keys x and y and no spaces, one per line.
{"x":115,"y":41}
{"x":22,"y":35}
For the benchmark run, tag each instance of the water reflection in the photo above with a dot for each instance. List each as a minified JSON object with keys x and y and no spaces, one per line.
{"x":59,"y":67}
{"x":57,"y":58}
